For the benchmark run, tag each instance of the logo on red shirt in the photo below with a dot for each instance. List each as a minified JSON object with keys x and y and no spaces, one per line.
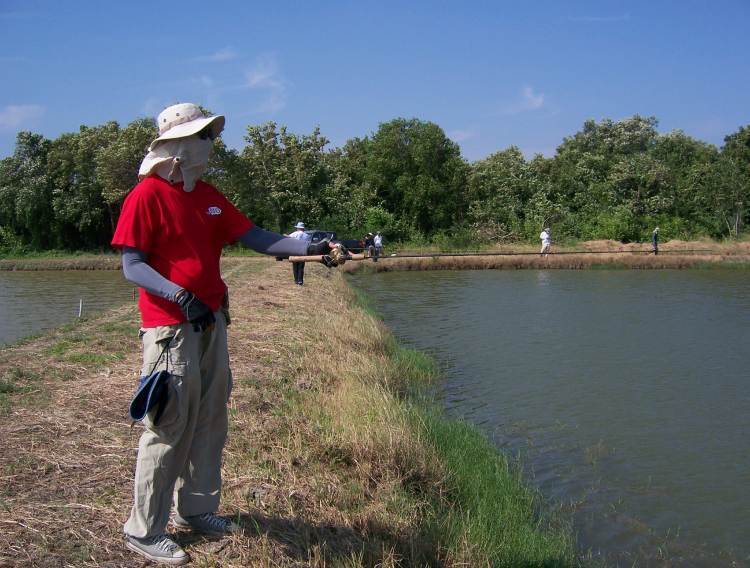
{"x":214,"y":211}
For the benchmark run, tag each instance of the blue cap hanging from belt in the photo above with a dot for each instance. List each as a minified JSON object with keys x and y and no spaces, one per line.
{"x":151,"y":393}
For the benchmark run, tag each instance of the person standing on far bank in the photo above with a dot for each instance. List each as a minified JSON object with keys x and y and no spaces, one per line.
{"x":368,"y":245}
{"x":655,"y":240}
{"x":378,"y":242}
{"x":546,"y":237}
{"x":298,"y":268}
{"x":171,"y":232}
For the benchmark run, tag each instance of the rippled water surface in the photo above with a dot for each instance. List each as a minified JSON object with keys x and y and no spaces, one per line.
{"x":32,"y":301}
{"x":626,"y":395}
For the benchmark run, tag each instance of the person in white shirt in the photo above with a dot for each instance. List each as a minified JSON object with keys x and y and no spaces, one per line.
{"x":378,"y":242}
{"x":298,"y":268}
{"x":546,"y":241}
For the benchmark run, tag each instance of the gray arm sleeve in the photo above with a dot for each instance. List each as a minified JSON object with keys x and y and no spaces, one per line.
{"x":274,"y":244}
{"x":139,"y":272}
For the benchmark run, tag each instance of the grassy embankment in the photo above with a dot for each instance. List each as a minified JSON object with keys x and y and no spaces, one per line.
{"x":601,"y":254}
{"x":331,"y":460}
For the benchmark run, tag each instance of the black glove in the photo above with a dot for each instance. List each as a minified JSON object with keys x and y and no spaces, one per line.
{"x":196,"y":312}
{"x":321,"y":247}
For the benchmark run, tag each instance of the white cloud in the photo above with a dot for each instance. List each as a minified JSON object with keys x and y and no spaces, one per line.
{"x":527,"y":101}
{"x":225,"y":54}
{"x":265,"y":77}
{"x":268,"y":86}
{"x":265,"y":74}
{"x":460,"y":135}
{"x":13,"y":116}
{"x":531,"y":100}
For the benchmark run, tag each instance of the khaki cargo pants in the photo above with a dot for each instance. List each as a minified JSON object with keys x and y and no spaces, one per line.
{"x":180,"y":456}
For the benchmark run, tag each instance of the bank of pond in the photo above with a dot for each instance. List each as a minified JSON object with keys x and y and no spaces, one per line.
{"x":448,"y":428}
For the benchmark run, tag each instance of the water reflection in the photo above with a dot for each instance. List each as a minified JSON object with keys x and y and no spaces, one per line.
{"x":625,"y":393}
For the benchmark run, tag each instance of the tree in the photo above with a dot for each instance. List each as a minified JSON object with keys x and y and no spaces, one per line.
{"x":734,"y":179}
{"x":498,"y":189}
{"x":604,"y":178}
{"x":417,"y":173}
{"x":613,"y":138}
{"x":687,"y":161}
{"x":79,"y":211}
{"x":737,"y":146}
{"x":285,"y":175}
{"x":27,"y":191}
{"x":117,"y":164}
{"x":732,"y":193}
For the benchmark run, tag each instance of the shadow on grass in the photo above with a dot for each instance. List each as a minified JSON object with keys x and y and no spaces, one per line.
{"x":301,"y":540}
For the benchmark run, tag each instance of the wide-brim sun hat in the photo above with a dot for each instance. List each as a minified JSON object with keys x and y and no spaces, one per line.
{"x":185,"y":119}
{"x":299,"y":225}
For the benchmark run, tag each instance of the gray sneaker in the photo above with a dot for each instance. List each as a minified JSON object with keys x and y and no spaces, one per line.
{"x":208,"y":523}
{"x":161,"y":549}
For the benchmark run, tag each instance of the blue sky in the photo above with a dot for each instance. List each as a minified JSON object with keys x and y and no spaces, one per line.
{"x":491,"y":74}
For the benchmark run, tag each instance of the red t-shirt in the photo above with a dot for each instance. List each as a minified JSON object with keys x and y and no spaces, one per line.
{"x":182,"y":234}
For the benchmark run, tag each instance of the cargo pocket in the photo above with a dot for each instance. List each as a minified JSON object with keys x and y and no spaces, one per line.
{"x":172,"y":415}
{"x":162,"y":349}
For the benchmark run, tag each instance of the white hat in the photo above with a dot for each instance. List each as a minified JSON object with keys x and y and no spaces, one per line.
{"x":299,"y":225}
{"x":185,"y":119}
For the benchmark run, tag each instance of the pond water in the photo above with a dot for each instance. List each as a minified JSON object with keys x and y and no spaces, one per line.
{"x":624,"y":394}
{"x":32,"y":301}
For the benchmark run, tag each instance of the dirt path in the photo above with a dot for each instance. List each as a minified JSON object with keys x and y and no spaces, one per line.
{"x":68,"y":449}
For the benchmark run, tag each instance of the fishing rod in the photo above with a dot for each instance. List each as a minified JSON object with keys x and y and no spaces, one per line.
{"x":347,"y":256}
{"x":339,"y":257}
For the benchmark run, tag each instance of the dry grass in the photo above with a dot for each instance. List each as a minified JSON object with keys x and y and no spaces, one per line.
{"x":66,"y":446}
{"x":311,"y":479}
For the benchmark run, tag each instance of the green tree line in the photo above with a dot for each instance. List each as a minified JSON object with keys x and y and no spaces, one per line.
{"x":611,"y":180}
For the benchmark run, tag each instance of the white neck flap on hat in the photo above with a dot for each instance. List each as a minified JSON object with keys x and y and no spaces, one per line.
{"x":181,"y":159}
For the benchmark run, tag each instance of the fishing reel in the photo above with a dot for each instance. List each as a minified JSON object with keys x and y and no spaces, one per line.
{"x":339,"y":255}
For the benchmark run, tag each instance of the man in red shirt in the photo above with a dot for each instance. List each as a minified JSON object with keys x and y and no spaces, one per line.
{"x":171,"y":231}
